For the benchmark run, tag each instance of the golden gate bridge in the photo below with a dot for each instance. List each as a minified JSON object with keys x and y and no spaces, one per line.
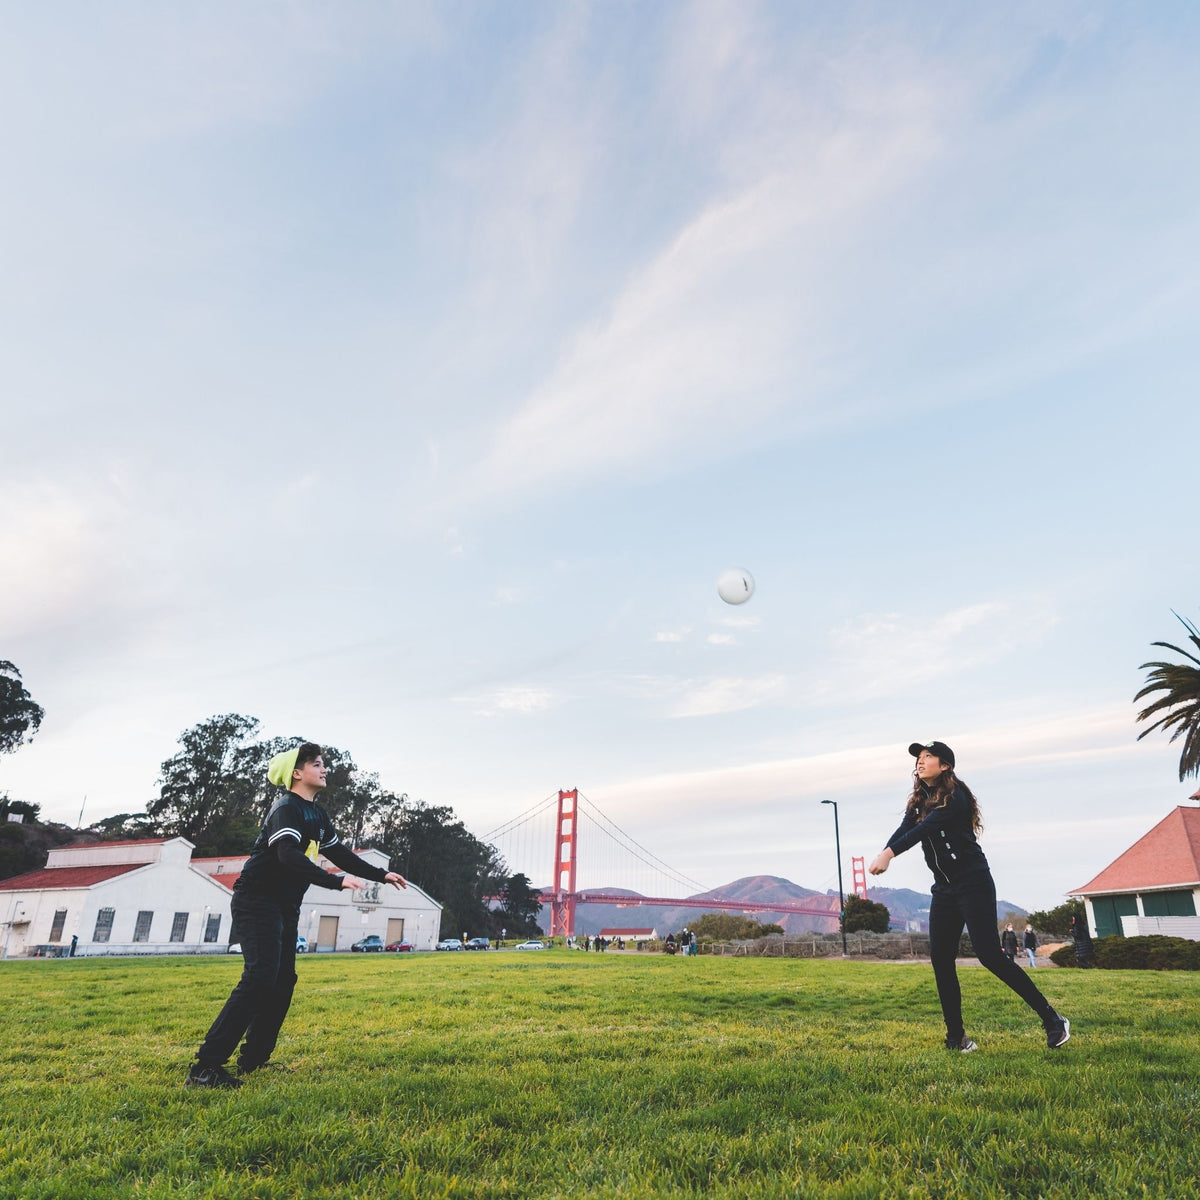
{"x":570,"y":811}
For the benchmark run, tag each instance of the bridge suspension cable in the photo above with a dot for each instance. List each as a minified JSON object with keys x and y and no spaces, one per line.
{"x":528,"y":815}
{"x":628,"y":843}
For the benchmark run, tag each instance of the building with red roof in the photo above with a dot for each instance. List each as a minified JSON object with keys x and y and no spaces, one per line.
{"x":1154,"y":887}
{"x":150,"y":896}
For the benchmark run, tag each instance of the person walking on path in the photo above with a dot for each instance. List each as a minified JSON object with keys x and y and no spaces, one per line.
{"x":266,"y":912}
{"x":1030,"y":939}
{"x":1084,"y":948}
{"x":1008,"y":939}
{"x":943,"y":815}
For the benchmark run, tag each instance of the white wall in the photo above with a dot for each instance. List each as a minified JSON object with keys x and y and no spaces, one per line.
{"x":1180,"y":927}
{"x":163,"y":888}
{"x":422,"y":914}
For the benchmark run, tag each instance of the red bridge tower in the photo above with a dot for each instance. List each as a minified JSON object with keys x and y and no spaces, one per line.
{"x":562,"y":900}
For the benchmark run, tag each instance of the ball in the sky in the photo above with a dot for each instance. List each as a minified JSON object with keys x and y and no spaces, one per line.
{"x":735,"y":586}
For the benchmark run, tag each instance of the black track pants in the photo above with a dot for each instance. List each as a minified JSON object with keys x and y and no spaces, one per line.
{"x":973,"y":905}
{"x":257,"y":1006}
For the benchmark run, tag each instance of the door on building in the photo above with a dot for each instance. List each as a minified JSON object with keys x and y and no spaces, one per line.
{"x":1109,"y":910}
{"x":327,"y":933}
{"x":395,"y":930}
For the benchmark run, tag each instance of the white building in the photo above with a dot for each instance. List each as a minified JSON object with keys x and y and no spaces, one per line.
{"x":151,"y":897}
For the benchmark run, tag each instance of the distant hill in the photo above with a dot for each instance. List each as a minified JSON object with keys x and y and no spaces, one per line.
{"x":903,"y":904}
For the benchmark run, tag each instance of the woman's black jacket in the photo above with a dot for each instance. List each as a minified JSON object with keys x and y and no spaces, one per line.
{"x":947,"y":838}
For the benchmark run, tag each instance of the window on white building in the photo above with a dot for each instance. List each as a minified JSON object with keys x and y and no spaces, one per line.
{"x":104,"y":924}
{"x":60,"y":919}
{"x":141,"y":929}
{"x":212,"y":930}
{"x":179,"y":927}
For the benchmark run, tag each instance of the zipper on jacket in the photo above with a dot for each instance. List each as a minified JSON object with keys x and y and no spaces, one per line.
{"x":937,"y":863}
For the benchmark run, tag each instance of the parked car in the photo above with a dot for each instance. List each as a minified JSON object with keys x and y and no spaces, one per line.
{"x":371,"y":942}
{"x":530,"y":945}
{"x":399,"y":947}
{"x":449,"y":944}
{"x":301,"y":944}
{"x":478,"y":944}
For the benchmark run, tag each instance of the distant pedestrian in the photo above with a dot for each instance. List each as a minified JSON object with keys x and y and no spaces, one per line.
{"x":943,"y":815}
{"x":1082,"y":937}
{"x":1031,"y":945}
{"x":266,"y":911}
{"x":1008,"y":939}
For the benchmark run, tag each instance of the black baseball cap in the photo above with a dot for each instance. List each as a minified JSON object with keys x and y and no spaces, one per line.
{"x":937,"y":749}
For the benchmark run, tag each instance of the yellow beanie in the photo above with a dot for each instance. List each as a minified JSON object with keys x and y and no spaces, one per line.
{"x":280,"y":768}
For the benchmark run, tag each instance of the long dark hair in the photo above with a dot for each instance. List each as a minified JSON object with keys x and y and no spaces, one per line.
{"x":925,"y":798}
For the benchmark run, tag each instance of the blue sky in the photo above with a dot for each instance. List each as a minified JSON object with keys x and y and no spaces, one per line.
{"x":405,"y":376}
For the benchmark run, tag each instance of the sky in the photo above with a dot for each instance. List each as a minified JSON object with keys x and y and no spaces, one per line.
{"x":404,"y":377}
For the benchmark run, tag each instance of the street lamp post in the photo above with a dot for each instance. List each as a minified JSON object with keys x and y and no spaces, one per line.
{"x":837,"y":841}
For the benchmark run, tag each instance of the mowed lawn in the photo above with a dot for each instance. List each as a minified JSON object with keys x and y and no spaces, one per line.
{"x":571,"y":1074}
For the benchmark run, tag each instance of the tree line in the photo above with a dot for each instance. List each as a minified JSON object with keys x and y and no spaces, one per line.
{"x":214,"y":792}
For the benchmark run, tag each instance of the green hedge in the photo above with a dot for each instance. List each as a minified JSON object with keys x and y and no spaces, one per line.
{"x":1152,"y":953}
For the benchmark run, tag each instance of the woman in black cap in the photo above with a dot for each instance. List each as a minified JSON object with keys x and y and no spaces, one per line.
{"x":943,"y":815}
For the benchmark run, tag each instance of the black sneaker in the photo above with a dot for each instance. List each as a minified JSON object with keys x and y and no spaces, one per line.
{"x":1058,"y":1032}
{"x":213,"y":1077}
{"x":963,"y":1045}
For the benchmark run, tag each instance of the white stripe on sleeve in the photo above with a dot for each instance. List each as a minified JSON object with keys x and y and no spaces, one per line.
{"x":284,"y":833}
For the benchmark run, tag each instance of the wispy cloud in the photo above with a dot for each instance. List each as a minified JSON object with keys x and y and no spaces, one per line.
{"x":741,"y":622}
{"x":1097,"y":735}
{"x":730,"y":694}
{"x":695,"y":349}
{"x":58,"y":547}
{"x":878,"y":654}
{"x":520,"y":701}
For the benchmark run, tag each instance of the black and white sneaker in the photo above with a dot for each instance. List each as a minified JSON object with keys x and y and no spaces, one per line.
{"x":1058,"y":1032}
{"x":963,"y":1045}
{"x":212,"y":1077}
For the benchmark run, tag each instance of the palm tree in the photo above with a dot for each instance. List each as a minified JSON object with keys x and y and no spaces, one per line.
{"x":1180,"y":685}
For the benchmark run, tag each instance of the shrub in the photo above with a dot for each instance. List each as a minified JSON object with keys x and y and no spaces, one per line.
{"x":1056,"y":921}
{"x":866,"y":916}
{"x":1151,"y":953}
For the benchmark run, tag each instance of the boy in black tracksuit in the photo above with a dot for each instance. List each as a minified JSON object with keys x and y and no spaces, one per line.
{"x":942,"y":815}
{"x":266,"y":912}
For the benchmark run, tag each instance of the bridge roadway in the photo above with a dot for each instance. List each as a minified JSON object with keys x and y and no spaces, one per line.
{"x":621,"y":900}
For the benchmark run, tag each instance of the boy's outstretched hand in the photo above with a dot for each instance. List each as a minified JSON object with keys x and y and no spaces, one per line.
{"x":396,"y":880}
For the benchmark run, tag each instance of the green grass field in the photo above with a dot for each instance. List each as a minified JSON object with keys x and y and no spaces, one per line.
{"x":570,"y":1074}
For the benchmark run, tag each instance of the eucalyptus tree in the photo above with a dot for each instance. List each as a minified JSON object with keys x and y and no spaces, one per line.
{"x":20,"y":715}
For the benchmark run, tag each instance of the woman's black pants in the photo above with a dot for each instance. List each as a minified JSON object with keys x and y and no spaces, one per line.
{"x":973,"y":905}
{"x":256,"y":1008}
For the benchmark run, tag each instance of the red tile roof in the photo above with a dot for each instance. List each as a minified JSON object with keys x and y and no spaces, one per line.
{"x":133,"y":842}
{"x":229,"y":858}
{"x":65,"y":877}
{"x":225,"y":880}
{"x":1167,"y":856}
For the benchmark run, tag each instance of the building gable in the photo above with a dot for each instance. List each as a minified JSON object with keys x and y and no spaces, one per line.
{"x":1168,"y":856}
